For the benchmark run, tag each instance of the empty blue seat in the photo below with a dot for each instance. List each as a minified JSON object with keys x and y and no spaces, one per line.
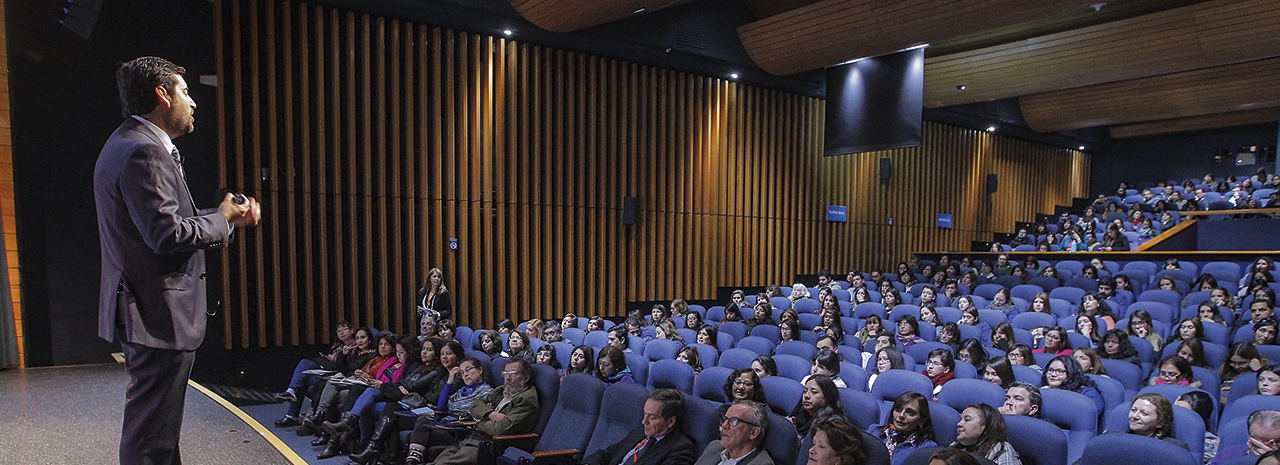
{"x":621,"y":409}
{"x":1075,"y":413}
{"x":660,"y":349}
{"x":737,"y":358}
{"x":963,"y":392}
{"x":671,"y":374}
{"x":757,"y":344}
{"x":782,"y":394}
{"x":790,"y":366}
{"x":1126,"y":449}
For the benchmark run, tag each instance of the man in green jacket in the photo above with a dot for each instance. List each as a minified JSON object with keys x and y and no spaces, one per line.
{"x":511,"y":409}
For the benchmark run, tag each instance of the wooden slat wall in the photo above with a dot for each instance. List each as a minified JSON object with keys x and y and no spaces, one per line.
{"x":384,"y":139}
{"x":10,"y":225}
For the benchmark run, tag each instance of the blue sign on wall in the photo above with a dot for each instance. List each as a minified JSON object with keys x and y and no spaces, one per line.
{"x":453,"y":243}
{"x":944,"y":220}
{"x":837,"y":213}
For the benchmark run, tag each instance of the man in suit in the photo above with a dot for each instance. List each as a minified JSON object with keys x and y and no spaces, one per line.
{"x":742,"y":430}
{"x":658,"y":441}
{"x":152,"y":295}
{"x":510,"y":409}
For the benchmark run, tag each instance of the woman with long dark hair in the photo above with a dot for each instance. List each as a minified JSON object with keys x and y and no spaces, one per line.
{"x":981,"y":432}
{"x":820,"y":401}
{"x":1064,"y":372}
{"x":909,"y":428}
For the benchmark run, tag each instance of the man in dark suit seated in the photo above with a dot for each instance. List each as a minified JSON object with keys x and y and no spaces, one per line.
{"x":658,"y":441}
{"x":510,"y":409}
{"x":742,"y":430}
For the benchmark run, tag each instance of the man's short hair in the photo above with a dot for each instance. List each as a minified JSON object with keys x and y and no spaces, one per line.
{"x":672,"y":403}
{"x":1107,"y":281}
{"x":759,"y":416}
{"x":1270,"y":305}
{"x":1267,"y":418}
{"x":525,"y":366}
{"x":1033,"y":394}
{"x":137,"y":79}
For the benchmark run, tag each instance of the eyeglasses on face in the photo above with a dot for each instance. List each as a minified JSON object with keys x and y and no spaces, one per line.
{"x":1055,"y":371}
{"x":734,"y":421}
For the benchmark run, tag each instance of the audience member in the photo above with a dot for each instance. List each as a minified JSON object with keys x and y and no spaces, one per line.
{"x":743,"y":427}
{"x":659,"y":439}
{"x":981,"y":432}
{"x":836,"y":442}
{"x":909,"y":427}
{"x":1021,"y":399}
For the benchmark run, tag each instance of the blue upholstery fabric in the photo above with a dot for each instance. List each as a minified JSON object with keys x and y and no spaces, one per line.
{"x":621,"y":409}
{"x":801,"y":349}
{"x":757,"y":344}
{"x":781,"y":440}
{"x":782,"y":394}
{"x":671,"y":373}
{"x":736,"y":329}
{"x":960,"y":393}
{"x":770,"y":332}
{"x":701,"y":421}
{"x":1125,"y":449}
{"x":1038,"y":442}
{"x":792,"y":367}
{"x":563,"y":430}
{"x":1188,"y":427}
{"x":1075,"y":413}
{"x":860,"y":408}
{"x":736,"y":358}
{"x":709,"y":384}
{"x":920,"y":351}
{"x":659,"y":349}
{"x":639,"y":366}
{"x":1245,"y":405}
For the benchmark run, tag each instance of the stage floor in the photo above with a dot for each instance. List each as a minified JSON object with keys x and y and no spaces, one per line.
{"x":73,"y":415}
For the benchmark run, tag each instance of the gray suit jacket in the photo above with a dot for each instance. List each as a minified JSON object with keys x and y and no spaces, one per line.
{"x":152,"y":238}
{"x":711,"y":456}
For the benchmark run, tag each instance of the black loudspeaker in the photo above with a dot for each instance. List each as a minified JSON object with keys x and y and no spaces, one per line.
{"x":629,"y":210}
{"x":886,"y":167}
{"x":993,"y":182}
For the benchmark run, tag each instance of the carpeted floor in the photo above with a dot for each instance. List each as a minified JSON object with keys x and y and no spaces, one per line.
{"x":73,"y":414}
{"x":269,"y":413}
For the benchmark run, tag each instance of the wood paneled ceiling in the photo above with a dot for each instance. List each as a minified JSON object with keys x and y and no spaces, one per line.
{"x":1151,"y":66}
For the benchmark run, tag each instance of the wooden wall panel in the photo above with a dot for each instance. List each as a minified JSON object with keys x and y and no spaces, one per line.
{"x":384,"y":139}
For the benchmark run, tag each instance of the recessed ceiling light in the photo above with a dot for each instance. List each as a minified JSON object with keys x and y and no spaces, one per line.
{"x":638,"y":10}
{"x":733,"y":76}
{"x":991,"y":129}
{"x":1081,"y":147}
{"x":507,"y":32}
{"x":960,"y":87}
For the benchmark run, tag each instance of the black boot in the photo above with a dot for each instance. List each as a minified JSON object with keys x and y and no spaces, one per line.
{"x":416,"y":453}
{"x":333,"y":449}
{"x":322,"y":439}
{"x":381,"y":432}
{"x":311,"y":423}
{"x":348,"y":422}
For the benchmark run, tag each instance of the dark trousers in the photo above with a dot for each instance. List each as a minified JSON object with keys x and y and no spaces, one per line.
{"x":153,"y":404}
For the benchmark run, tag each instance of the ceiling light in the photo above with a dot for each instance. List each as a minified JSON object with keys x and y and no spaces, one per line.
{"x":1081,"y":147}
{"x":960,"y":87}
{"x":991,"y":129}
{"x":733,"y":76}
{"x":638,"y":10}
{"x":507,"y":32}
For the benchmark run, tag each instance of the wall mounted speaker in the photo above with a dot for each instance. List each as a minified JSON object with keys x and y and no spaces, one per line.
{"x":886,"y":168}
{"x":993,"y":182}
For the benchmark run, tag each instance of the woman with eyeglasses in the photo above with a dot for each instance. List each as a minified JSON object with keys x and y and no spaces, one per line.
{"x":1242,"y":357}
{"x":742,"y":384}
{"x":464,"y":386}
{"x":940,"y":368}
{"x":909,"y":428}
{"x":1140,"y":326}
{"x":1064,"y":372}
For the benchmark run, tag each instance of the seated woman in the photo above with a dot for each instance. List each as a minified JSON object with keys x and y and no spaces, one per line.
{"x":1202,"y":404}
{"x":836,"y":442}
{"x":870,"y":328}
{"x":1264,"y":332}
{"x":1056,"y":342}
{"x":909,"y":428}
{"x":1189,"y":328}
{"x":329,"y":398}
{"x":1151,"y":415}
{"x":464,"y":386}
{"x":1193,"y":351}
{"x":518,"y":346}
{"x":666,"y":330}
{"x":344,"y":434}
{"x":546,"y":355}
{"x":679,"y":308}
{"x":763,"y":315}
{"x":658,"y":314}
{"x":820,"y":401}
{"x":1140,"y":326}
{"x":446,"y":329}
{"x":829,"y":320}
{"x":439,"y":358}
{"x":1174,"y":370}
{"x":594,"y":323}
{"x":890,"y":298}
{"x":788,"y":331}
{"x":1269,"y":380}
{"x":825,"y":363}
{"x":971,"y":352}
{"x":611,"y":366}
{"x":940,"y":368}
{"x":345,"y":355}
{"x":1166,"y":283}
{"x":707,"y":335}
{"x":731,"y":313}
{"x":532,"y":329}
{"x":1020,"y":354}
{"x":887,"y":358}
{"x":1063,"y":372}
{"x":1208,"y":313}
{"x":829,"y":305}
{"x":949,"y":334}
{"x":1002,"y":303}
{"x":490,"y":343}
{"x":929,"y":315}
{"x":742,"y":384}
{"x":859,"y":295}
{"x":1116,"y":346}
{"x":505,"y":326}
{"x":798,"y":291}
{"x":764,"y":366}
{"x":1002,"y":336}
{"x":581,"y":360}
{"x":1040,"y":304}
{"x":1095,"y":305}
{"x":1088,"y":326}
{"x":908,"y":332}
{"x":693,"y":320}
{"x":1089,"y":361}
{"x":1242,"y":357}
{"x":981,"y":432}
{"x":689,"y":355}
{"x":999,"y":372}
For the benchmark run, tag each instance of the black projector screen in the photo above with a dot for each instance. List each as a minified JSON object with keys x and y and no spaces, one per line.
{"x":875,"y":103}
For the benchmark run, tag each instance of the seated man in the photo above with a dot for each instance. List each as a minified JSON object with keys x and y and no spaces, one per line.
{"x":1119,"y":302}
{"x":742,"y":431}
{"x":510,"y":409}
{"x":1022,"y":239}
{"x":1021,"y":399}
{"x":1264,"y":436}
{"x":551,"y":332}
{"x":658,"y":441}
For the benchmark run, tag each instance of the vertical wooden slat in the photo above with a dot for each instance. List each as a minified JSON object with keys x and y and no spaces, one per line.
{"x":382,"y":139}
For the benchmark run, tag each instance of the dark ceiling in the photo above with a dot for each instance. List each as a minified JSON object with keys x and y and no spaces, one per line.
{"x":1128,"y":68}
